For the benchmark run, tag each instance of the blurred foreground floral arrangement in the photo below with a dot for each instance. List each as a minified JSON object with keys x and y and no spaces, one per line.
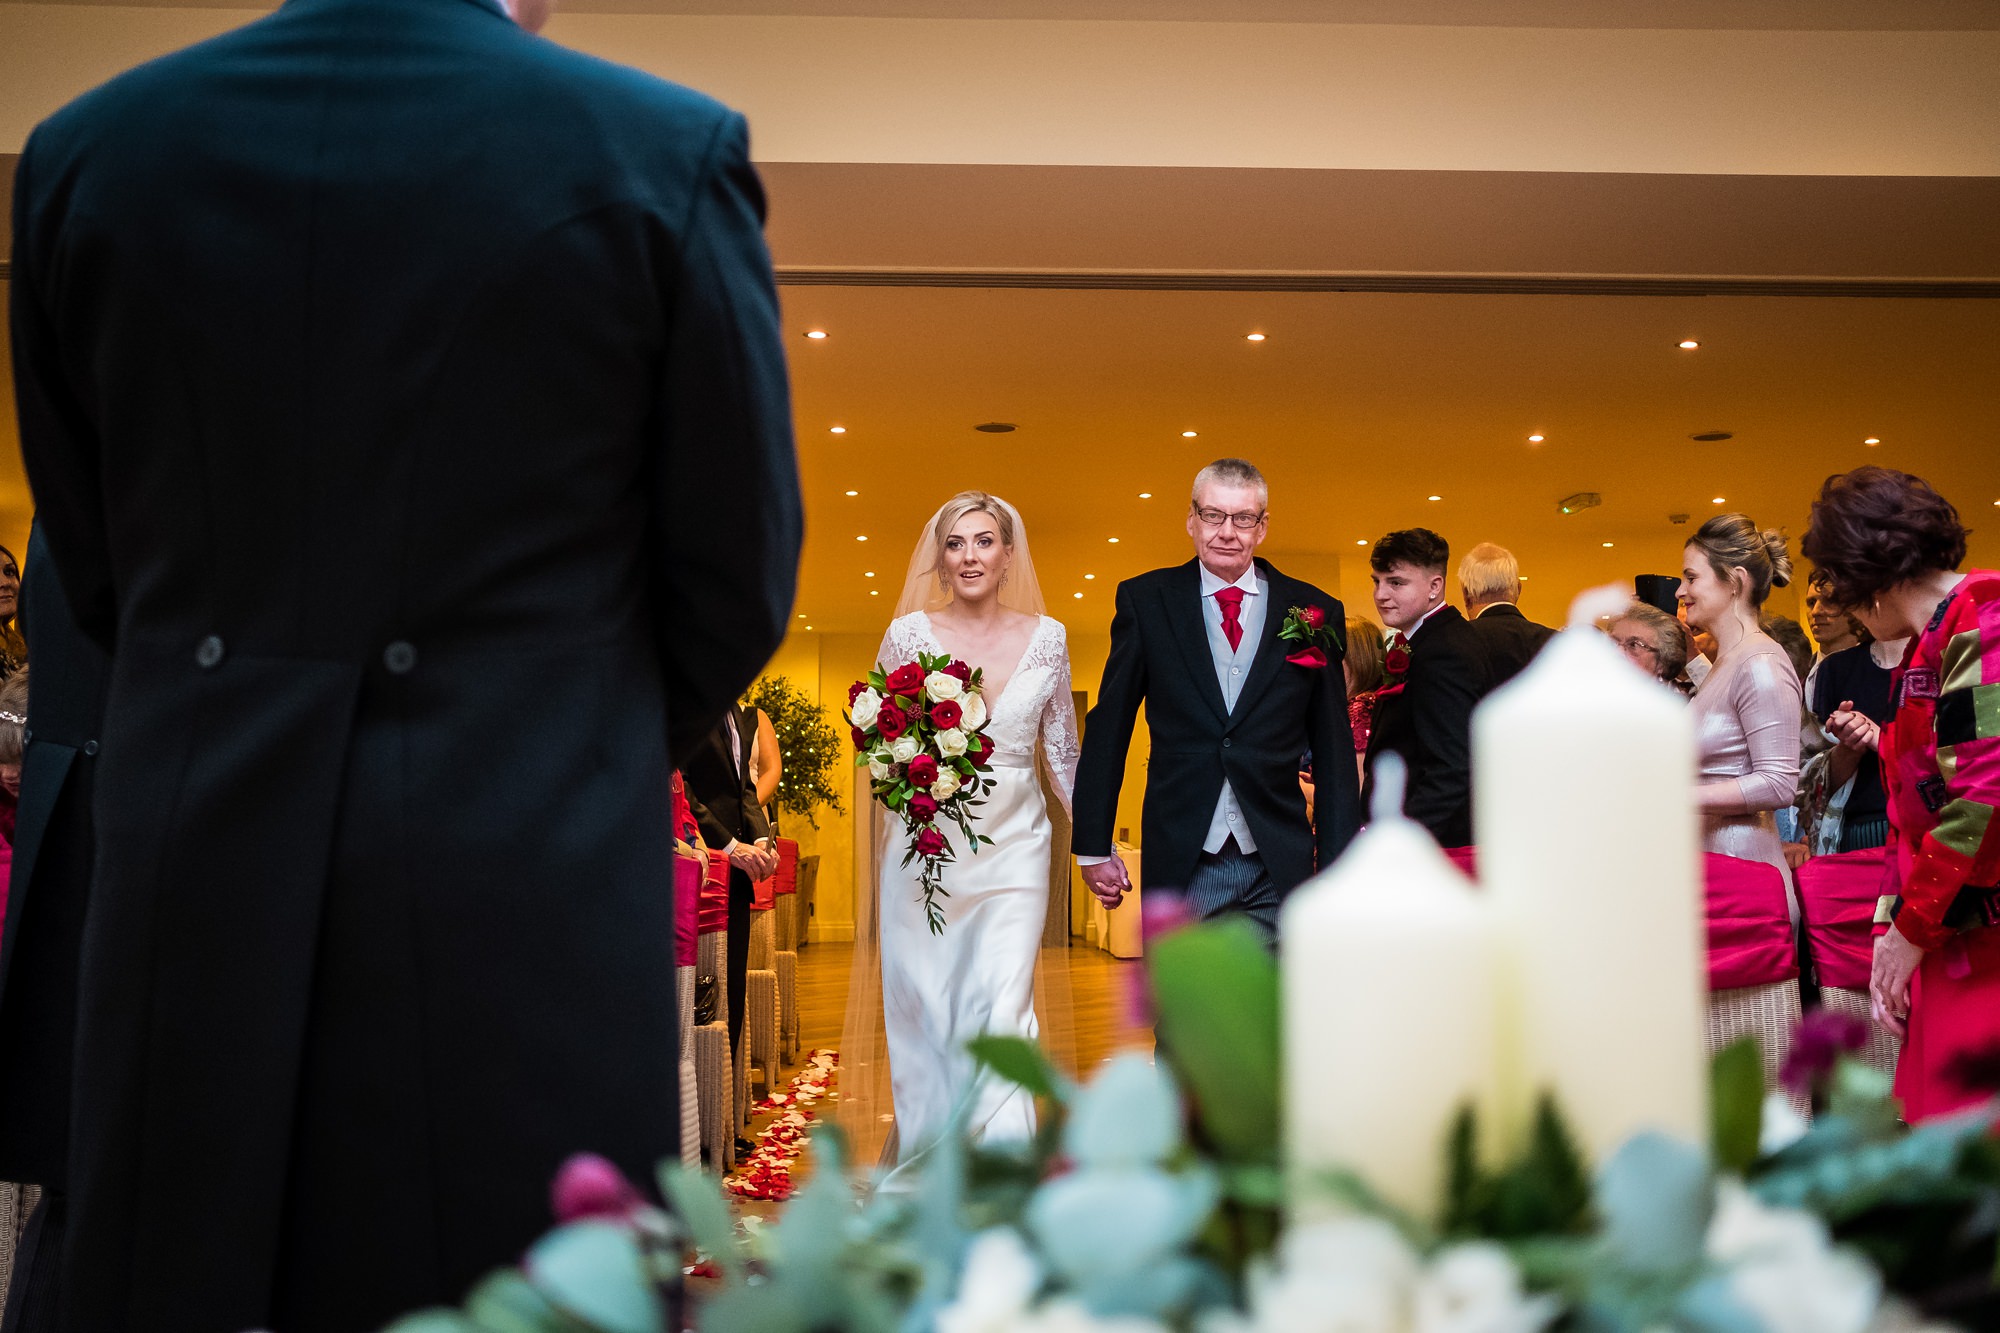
{"x":1152,"y":1199}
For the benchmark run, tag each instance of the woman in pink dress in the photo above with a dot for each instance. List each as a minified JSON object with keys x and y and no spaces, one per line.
{"x":1887,"y":547}
{"x":1746,"y":709}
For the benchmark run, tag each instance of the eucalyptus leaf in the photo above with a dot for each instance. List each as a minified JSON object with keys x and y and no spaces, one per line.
{"x":700,"y":1206}
{"x":595,"y":1272}
{"x":1654,"y":1198}
{"x":433,"y":1321}
{"x":507,"y":1302}
{"x":1129,"y":1116}
{"x":1021,"y":1062}
{"x":1215,"y":993}
{"x":1736,"y":1105}
{"x":1097,"y":1224}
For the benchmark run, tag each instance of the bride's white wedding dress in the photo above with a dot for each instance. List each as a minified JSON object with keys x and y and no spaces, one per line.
{"x":940,"y":991}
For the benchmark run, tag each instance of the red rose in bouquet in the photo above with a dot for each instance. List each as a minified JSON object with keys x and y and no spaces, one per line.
{"x":959,"y":671}
{"x":923,"y":807}
{"x":929,"y":842}
{"x":923,"y":771}
{"x":891,"y":722}
{"x":854,"y":691}
{"x":979,"y":748}
{"x":860,"y":738}
{"x":905,"y":679}
{"x":946,"y":714}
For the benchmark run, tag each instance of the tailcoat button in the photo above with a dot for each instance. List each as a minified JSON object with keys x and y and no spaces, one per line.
{"x":1225,"y":742}
{"x":400,"y":657}
{"x":90,"y":747}
{"x":208,"y":655}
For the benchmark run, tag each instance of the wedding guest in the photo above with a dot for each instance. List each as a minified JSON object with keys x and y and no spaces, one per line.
{"x":1702,"y":659}
{"x":1888,"y":548}
{"x":419,"y":586}
{"x":1363,"y":670}
{"x":13,"y":648}
{"x":1424,"y":711}
{"x":1857,"y":679}
{"x":42,"y":940}
{"x":1655,"y":642}
{"x":1746,"y":710}
{"x":1791,"y":636}
{"x":1489,"y":578}
{"x":767,"y":764}
{"x":13,"y":733}
{"x":722,"y":793}
{"x":1833,"y":629}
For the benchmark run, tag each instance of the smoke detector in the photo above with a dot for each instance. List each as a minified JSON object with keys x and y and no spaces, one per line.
{"x":1678,"y":520}
{"x":1576,"y":504}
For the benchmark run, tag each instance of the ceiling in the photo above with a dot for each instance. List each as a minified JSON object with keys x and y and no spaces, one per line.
{"x":1824,"y":15}
{"x":1358,"y":408}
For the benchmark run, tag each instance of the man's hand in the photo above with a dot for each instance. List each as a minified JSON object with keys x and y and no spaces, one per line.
{"x":1853,"y":730}
{"x":1108,"y":881}
{"x":752,"y":860}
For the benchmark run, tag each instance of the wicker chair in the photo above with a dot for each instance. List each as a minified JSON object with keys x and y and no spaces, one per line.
{"x":690,"y":1073}
{"x":1883,"y":1048}
{"x":16,"y":1203}
{"x":760,"y":1007}
{"x":1770,"y":1013}
{"x":715,"y":1074}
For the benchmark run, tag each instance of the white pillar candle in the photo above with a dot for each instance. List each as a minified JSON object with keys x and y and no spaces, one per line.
{"x":1583,"y":803}
{"x":1389,"y":967}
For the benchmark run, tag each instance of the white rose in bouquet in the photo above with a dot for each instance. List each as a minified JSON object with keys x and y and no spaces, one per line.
{"x":879,"y":760}
{"x":951,"y":742}
{"x":904,"y":748}
{"x":972,"y":710}
{"x":864,"y":708}
{"x":1476,"y":1288}
{"x":941,"y":687}
{"x":997,"y":1287}
{"x":946,"y":785}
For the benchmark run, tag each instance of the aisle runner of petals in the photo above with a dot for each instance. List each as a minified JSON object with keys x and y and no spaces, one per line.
{"x":767,"y":1172}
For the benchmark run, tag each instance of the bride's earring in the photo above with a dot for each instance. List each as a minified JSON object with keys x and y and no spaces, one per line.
{"x":1004,"y":574}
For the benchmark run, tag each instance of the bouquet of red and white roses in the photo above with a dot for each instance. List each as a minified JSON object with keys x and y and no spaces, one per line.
{"x":921,"y":730}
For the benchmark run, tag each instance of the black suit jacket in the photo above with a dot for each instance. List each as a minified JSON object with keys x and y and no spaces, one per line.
{"x":1510,"y":641}
{"x":374,"y":362}
{"x":50,"y":892}
{"x":1429,"y":723}
{"x":719,"y":789}
{"x":1160,"y":657}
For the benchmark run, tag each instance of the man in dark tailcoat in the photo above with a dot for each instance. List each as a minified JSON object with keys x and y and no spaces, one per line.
{"x":723,"y":797}
{"x":1489,"y":579}
{"x":1231,"y":709}
{"x":379,"y":366}
{"x":43,"y":934}
{"x":1436,"y":674}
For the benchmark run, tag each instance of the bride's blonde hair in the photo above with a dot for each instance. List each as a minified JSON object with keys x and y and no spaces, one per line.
{"x":955,"y":509}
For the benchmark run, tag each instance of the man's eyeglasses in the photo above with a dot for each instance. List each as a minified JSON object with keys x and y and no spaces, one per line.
{"x":1214,"y":518}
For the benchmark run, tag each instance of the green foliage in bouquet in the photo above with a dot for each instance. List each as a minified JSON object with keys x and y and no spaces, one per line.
{"x":807,"y":743}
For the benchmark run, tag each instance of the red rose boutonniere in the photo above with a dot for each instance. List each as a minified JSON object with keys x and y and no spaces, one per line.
{"x":1315,"y":643}
{"x":1395,"y":666}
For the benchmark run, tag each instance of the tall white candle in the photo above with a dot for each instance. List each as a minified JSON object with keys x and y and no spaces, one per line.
{"x":1389,"y":970}
{"x":1583,"y":803}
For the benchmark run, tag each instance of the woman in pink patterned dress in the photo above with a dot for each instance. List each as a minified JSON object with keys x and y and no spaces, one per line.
{"x":1888,"y":547}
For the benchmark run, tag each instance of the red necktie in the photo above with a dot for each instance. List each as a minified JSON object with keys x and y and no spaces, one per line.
{"x":1231,"y":601}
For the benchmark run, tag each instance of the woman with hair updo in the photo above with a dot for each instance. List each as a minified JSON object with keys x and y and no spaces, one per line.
{"x":1746,"y":709}
{"x":13,"y":648}
{"x":1888,"y":547}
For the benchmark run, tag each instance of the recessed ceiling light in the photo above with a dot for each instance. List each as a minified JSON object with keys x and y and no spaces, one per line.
{"x":1607,"y":546}
{"x":1145,"y":495}
{"x":874,"y":592}
{"x":1253,"y":337}
{"x":861,"y":539}
{"x":1112,"y":540}
{"x":802,"y":615}
{"x":867,"y":573}
{"x":1689,"y":344}
{"x":1717,"y":500}
{"x":836,"y":430}
{"x":1077,"y":595}
{"x":995,"y":427}
{"x":1187,"y":435}
{"x":1524,"y":578}
{"x":1361,"y":541}
{"x":808,"y":626}
{"x":1088,"y":577}
{"x":1435,"y":497}
{"x":816,"y":334}
{"x":1871,"y":440}
{"x":1535,"y":439}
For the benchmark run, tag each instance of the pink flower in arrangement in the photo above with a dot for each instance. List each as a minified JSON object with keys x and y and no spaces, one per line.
{"x":923,"y":771}
{"x":891,"y":722}
{"x":929,"y":842}
{"x":946,"y":714}
{"x":1823,"y":1036}
{"x":589,"y":1186}
{"x":923,"y":807}
{"x":960,"y":670}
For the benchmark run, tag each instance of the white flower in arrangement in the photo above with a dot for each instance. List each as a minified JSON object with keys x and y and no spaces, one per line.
{"x":879,"y":760}
{"x":864,"y":708}
{"x":1783,"y":1125}
{"x":1071,"y":1317}
{"x":946,"y":786}
{"x":1786,"y":1270}
{"x":997,"y":1287}
{"x":951,"y":742}
{"x":972,"y":710}
{"x":904,"y":748}
{"x":940,"y":687}
{"x":1476,"y":1288}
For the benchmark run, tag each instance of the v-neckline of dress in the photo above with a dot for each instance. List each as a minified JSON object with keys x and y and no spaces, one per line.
{"x":930,"y":630}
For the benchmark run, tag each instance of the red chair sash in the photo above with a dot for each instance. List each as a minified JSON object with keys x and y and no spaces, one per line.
{"x":788,"y":865}
{"x":1749,"y":925}
{"x":764,"y":894}
{"x":1837,"y":898}
{"x":715,"y":895}
{"x":687,"y":909}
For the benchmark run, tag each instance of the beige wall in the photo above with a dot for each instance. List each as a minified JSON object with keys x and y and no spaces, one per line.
{"x":1228,"y":94}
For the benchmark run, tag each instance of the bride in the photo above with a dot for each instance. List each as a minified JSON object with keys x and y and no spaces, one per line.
{"x":971,"y":593}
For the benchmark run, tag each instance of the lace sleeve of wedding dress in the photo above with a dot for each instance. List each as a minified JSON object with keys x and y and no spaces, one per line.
{"x":1060,"y":747}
